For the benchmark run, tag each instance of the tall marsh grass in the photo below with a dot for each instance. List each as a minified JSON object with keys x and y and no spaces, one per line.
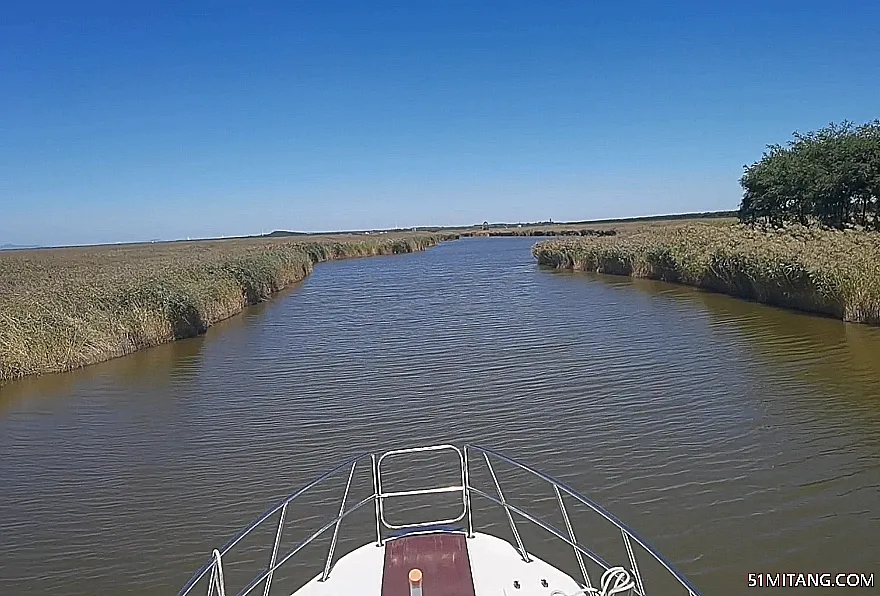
{"x":832,"y":272}
{"x":66,"y":308}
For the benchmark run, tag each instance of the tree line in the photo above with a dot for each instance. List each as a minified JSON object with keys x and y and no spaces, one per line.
{"x":829,"y":177}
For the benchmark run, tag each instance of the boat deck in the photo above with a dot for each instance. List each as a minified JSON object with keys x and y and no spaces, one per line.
{"x":451,"y":565}
{"x":442,"y":558}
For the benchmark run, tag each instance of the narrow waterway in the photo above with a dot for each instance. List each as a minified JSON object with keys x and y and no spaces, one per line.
{"x":735,"y":437}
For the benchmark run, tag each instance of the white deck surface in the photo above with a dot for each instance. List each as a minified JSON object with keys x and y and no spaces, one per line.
{"x":495,"y":565}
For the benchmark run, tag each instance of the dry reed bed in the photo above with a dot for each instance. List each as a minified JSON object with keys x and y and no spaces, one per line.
{"x":836,"y":273}
{"x":62,"y":309}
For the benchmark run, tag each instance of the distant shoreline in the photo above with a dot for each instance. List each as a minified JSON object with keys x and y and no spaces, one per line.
{"x":465,"y":229}
{"x":527,"y":225}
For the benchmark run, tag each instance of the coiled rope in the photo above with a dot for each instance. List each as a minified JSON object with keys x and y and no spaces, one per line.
{"x":615,"y":580}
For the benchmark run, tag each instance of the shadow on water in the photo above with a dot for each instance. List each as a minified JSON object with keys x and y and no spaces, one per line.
{"x":151,"y":369}
{"x":844,"y":357}
{"x":154,"y":368}
{"x":805,"y":369}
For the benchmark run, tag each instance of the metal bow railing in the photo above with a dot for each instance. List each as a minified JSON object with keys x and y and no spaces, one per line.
{"x":212,"y":570}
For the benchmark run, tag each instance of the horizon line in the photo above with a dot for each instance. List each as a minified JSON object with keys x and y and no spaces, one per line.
{"x":422,"y":228}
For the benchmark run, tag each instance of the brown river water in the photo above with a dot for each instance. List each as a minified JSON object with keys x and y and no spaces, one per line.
{"x":736,"y":438}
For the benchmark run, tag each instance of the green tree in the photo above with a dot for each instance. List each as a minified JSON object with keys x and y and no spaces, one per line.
{"x":829,"y":177}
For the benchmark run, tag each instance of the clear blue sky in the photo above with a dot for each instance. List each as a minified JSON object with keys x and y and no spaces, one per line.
{"x":124,"y":121}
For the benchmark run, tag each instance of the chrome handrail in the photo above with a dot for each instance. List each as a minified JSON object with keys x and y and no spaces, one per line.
{"x":211,"y":563}
{"x":627,"y":532}
{"x":465,"y":461}
{"x":460,"y":487}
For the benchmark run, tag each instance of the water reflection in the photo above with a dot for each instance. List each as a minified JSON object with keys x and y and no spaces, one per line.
{"x":153,"y":369}
{"x":845,"y":357}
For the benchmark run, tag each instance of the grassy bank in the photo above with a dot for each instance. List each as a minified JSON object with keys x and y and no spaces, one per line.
{"x":835,"y":273}
{"x":66,"y":308}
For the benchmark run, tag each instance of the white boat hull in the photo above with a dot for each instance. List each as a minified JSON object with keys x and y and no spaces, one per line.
{"x":496,"y":569}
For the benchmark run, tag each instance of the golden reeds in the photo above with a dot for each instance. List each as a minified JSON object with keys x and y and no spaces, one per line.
{"x":832,"y":272}
{"x":62,"y":309}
